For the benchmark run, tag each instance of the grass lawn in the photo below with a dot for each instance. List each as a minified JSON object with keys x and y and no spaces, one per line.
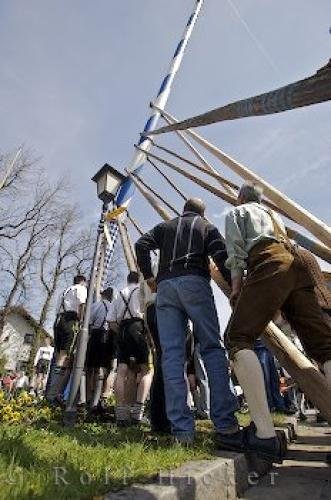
{"x":49,"y":461}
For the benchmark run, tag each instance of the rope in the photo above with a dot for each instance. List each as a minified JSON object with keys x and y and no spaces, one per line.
{"x":212,"y":172}
{"x":135,"y":224}
{"x":138,"y":228}
{"x":158,"y":196}
{"x":167,"y":179}
{"x":157,"y":206}
{"x":228,"y":198}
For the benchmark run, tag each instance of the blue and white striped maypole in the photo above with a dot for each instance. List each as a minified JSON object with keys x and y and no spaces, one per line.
{"x":127,"y":189}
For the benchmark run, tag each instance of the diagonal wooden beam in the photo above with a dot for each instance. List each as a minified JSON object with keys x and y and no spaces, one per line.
{"x":127,"y":246}
{"x":315,"y":247}
{"x":167,"y":179}
{"x":157,"y":195}
{"x":293,"y":210}
{"x":311,"y":90}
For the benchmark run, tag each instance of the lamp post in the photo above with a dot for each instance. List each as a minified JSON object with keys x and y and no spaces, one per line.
{"x":108,"y":181}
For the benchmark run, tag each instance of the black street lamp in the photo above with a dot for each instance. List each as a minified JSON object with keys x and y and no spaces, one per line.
{"x":108,"y":181}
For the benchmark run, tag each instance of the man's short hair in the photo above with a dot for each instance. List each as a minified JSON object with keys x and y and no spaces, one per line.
{"x":195,"y":205}
{"x":133,"y":277}
{"x":79,"y":279}
{"x":107,"y":293}
{"x":251,"y":192}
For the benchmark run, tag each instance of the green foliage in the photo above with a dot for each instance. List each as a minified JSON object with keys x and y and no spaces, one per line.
{"x":42,"y":459}
{"x":92,"y":459}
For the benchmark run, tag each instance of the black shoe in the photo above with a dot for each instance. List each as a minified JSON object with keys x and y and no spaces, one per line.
{"x":271,"y":449}
{"x":231,"y":442}
{"x":290,"y":411}
{"x":96,"y":415}
{"x":162,"y":431}
{"x":58,"y":401}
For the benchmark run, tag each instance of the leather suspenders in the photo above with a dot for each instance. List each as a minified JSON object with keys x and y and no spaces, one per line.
{"x":127,"y":303}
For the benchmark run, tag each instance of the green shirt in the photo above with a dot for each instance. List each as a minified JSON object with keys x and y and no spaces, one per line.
{"x":245,"y":226}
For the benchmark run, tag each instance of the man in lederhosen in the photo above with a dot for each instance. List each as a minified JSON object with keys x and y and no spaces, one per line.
{"x":42,"y":364}
{"x":100,"y":349}
{"x":70,"y":312}
{"x":133,"y":352}
{"x":277,"y":279}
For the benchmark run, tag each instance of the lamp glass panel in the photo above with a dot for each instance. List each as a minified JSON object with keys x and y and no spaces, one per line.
{"x":112,"y":184}
{"x":101,"y":184}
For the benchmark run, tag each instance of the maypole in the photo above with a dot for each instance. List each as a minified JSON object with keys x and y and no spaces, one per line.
{"x":127,"y":189}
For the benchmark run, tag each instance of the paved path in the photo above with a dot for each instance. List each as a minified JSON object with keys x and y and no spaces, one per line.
{"x":305,"y":475}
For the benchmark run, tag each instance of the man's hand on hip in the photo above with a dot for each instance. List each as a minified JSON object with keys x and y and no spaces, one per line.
{"x":151,"y":282}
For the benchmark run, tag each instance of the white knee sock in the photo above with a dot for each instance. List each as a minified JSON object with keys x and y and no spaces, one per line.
{"x":327,"y":371}
{"x":250,"y":376}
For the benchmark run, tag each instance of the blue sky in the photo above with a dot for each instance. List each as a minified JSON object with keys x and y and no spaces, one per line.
{"x":77,"y":78}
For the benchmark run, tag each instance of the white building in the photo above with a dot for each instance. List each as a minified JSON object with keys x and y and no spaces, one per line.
{"x":17,"y":338}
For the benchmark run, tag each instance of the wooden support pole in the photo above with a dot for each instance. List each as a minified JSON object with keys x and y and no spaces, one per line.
{"x":225,"y":197}
{"x":300,"y":215}
{"x":158,"y":196}
{"x":135,"y":224}
{"x":137,"y":228}
{"x":212,"y":173}
{"x":209,"y":187}
{"x":157,"y":206}
{"x":195,"y":151}
{"x":127,"y":247}
{"x":315,"y":247}
{"x":101,"y":267}
{"x":169,"y":181}
{"x":311,"y":381}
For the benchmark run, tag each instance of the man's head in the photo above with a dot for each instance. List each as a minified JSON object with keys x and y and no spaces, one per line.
{"x":250,"y":192}
{"x":133,"y":278}
{"x":47,"y":341}
{"x":107,"y":294}
{"x":79,"y":280}
{"x":195,"y":205}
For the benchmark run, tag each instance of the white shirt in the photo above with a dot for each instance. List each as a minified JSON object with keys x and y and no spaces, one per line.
{"x":22,"y":382}
{"x":99,"y":313}
{"x":72,"y":298}
{"x":245,"y":226}
{"x":118,"y":310}
{"x":44,"y":352}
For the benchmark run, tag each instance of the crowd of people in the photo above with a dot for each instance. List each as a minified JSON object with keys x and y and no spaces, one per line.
{"x":159,"y":340}
{"x":14,"y":382}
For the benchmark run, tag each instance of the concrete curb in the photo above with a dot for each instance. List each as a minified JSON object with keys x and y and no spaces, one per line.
{"x":224,"y":478}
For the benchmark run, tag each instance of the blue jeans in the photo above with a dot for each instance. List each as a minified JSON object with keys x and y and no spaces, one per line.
{"x":271,"y":377}
{"x":180,"y":299}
